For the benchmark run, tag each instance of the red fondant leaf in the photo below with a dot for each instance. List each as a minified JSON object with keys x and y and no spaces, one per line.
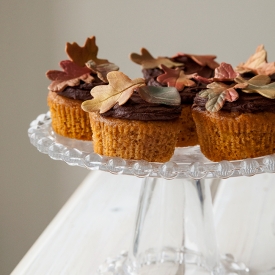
{"x":225,"y":72}
{"x":80,"y":55}
{"x":71,"y":76}
{"x":147,"y":61}
{"x":119,"y":90}
{"x":175,"y":78}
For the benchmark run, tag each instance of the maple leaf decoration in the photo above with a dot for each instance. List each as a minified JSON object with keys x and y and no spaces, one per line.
{"x":119,"y":90}
{"x":147,"y":61}
{"x":80,"y":55}
{"x":257,"y":63}
{"x":175,"y":78}
{"x":202,"y":60}
{"x":71,"y":76}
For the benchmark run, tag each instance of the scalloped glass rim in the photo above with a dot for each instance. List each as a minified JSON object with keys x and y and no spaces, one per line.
{"x":187,"y":162}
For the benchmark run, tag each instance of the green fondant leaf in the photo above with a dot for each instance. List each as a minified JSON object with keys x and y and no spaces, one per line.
{"x":160,"y":95}
{"x":266,"y":90}
{"x":216,"y":102}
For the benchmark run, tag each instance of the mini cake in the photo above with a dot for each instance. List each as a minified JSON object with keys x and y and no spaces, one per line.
{"x":134,"y":121}
{"x":70,"y":87}
{"x":182,"y":71}
{"x":235,"y":117}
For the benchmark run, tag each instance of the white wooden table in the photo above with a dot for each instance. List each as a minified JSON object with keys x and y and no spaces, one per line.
{"x":98,"y":222}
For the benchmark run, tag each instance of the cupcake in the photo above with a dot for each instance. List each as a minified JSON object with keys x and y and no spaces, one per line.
{"x":235,"y":116}
{"x":70,"y":87}
{"x":132,"y":120}
{"x":182,"y":71}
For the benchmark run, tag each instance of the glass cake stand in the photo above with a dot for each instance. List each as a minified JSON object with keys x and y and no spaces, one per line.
{"x":174,"y":231}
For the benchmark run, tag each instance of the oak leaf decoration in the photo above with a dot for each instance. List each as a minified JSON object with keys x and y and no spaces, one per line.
{"x":147,"y":61}
{"x":160,"y":95}
{"x":258,"y":84}
{"x":202,"y":60}
{"x":119,"y":90}
{"x":257,"y":63}
{"x":80,"y":55}
{"x":175,"y":78}
{"x":217,"y":94}
{"x":70,"y":76}
{"x":225,"y":72}
{"x":102,"y":69}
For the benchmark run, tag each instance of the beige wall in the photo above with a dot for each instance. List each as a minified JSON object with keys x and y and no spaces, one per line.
{"x":32,"y":38}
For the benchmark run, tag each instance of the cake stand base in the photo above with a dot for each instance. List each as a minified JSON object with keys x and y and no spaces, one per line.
{"x":168,"y":266}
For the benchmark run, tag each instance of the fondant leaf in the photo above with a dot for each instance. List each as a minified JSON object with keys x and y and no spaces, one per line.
{"x":266,"y":90}
{"x":160,"y":95}
{"x":216,"y":100}
{"x":203,"y":60}
{"x":175,"y":78}
{"x":119,"y":90}
{"x":71,"y":76}
{"x":80,"y":55}
{"x":266,"y":69}
{"x":225,"y":72}
{"x":257,"y":63}
{"x":147,"y":61}
{"x":102,"y":70}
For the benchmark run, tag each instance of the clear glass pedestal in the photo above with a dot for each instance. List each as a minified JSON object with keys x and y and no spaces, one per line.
{"x":174,"y":231}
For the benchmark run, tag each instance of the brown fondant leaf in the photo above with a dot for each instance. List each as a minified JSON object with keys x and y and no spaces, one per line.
{"x":119,"y":90}
{"x":80,"y":55}
{"x":257,"y":63}
{"x":71,"y":76}
{"x":203,"y":60}
{"x":160,"y":95}
{"x":147,"y":61}
{"x":175,"y":78}
{"x":225,"y":72}
{"x":102,"y":70}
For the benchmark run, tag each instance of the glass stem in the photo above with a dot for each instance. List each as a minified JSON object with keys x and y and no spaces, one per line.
{"x":174,"y":230}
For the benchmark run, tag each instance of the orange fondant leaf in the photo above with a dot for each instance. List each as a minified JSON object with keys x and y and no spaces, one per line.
{"x":147,"y":61}
{"x":70,"y":76}
{"x":119,"y":90}
{"x":175,"y":78}
{"x":80,"y":55}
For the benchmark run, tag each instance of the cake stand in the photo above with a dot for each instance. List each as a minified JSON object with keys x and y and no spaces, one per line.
{"x":174,"y":231}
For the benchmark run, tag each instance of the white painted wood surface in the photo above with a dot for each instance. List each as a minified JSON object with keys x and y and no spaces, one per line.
{"x":98,"y":222}
{"x":77,"y":241}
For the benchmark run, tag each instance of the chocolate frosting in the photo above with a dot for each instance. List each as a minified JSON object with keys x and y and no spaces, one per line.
{"x":138,"y":109}
{"x":246,"y":103}
{"x":81,"y":91}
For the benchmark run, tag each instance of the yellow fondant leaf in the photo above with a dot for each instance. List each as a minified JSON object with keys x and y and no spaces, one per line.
{"x":119,"y":90}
